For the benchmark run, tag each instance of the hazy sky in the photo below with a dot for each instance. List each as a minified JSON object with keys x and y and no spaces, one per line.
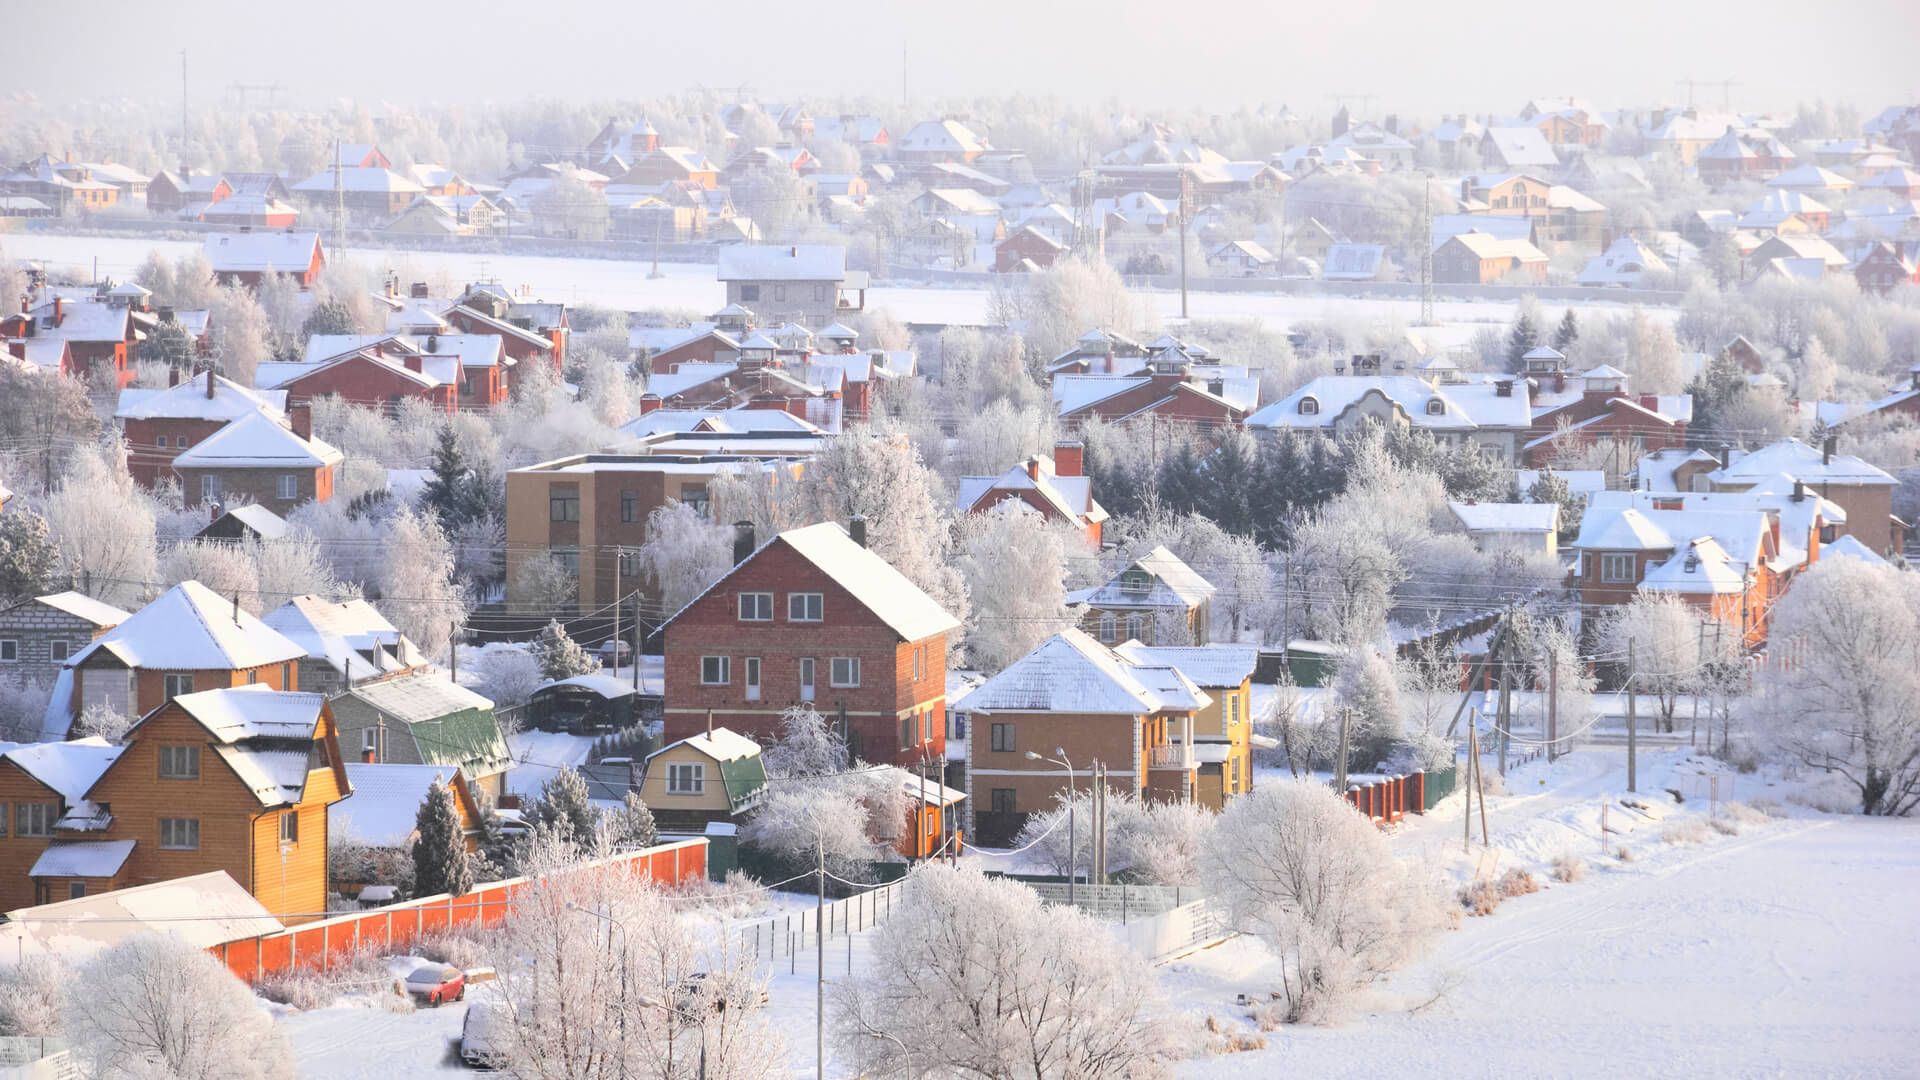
{"x":1416,"y":56}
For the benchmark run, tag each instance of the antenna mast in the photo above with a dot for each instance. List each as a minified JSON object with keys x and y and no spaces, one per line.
{"x":339,"y":204}
{"x":1426,"y":250}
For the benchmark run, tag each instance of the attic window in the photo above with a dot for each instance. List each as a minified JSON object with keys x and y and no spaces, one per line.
{"x":1134,"y":581}
{"x":1309,"y":406}
{"x":1436,"y":407}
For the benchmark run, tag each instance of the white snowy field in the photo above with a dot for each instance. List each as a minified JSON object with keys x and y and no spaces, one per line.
{"x":1777,"y":950}
{"x":624,"y":284}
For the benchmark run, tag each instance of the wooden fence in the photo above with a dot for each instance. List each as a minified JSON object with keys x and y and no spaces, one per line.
{"x":318,"y":945}
{"x":1391,"y":799}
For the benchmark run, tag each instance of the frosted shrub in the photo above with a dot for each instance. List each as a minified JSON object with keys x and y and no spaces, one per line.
{"x":1689,"y":830}
{"x":1517,"y":881}
{"x":155,"y":1006}
{"x":30,"y":997}
{"x":1569,"y":868}
{"x":1480,"y":897}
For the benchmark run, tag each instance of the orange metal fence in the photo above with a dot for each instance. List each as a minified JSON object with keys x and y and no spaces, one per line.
{"x":317,"y":945}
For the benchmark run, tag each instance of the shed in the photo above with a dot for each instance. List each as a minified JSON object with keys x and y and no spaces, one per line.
{"x":584,"y":704}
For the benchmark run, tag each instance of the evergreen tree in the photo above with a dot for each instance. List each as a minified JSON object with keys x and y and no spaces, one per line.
{"x":28,"y":559}
{"x":168,"y":343}
{"x":1568,"y":333}
{"x":440,"y":863}
{"x":494,"y":856}
{"x":1180,"y":478}
{"x":453,"y":494}
{"x":560,"y":656}
{"x":1232,"y":474}
{"x":328,"y":317}
{"x":1521,"y":340}
{"x":1551,"y":487}
{"x":636,"y":823}
{"x":565,"y":809}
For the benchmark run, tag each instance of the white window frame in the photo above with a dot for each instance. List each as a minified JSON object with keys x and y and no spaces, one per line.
{"x":761,"y":604}
{"x":751,"y":675}
{"x":852,"y":669}
{"x":160,"y":441}
{"x":289,"y":486}
{"x":58,"y":649}
{"x":209,"y":487}
{"x":290,"y":826}
{"x":1109,"y":626}
{"x":1610,"y":561}
{"x":801,"y":601}
{"x":809,"y":678}
{"x":723,"y":664}
{"x":687,"y":778}
{"x":34,"y":819}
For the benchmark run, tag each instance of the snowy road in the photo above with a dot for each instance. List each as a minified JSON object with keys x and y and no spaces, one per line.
{"x":1766,"y":954}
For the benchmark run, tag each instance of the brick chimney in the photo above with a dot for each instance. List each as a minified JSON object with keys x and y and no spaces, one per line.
{"x":857,"y":529}
{"x":419,"y":291}
{"x":300,"y":418}
{"x":1827,"y":446}
{"x":1033,"y":467}
{"x":59,"y":309}
{"x":173,"y":376}
{"x":1069,"y":458}
{"x":649,"y":403}
{"x":1650,"y":402}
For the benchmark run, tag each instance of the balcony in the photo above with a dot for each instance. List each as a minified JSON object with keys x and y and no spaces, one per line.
{"x":1174,"y":756}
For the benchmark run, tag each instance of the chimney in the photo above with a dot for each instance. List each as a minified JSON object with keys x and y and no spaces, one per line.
{"x":433,"y":343}
{"x":743,"y":544}
{"x":300,"y":417}
{"x":1650,"y":402}
{"x":209,"y":382}
{"x":1827,"y":446}
{"x":412,"y":361}
{"x":59,"y":309}
{"x":857,"y":530}
{"x":648,"y":403}
{"x":1033,"y":467}
{"x":1799,"y":491}
{"x":173,"y":376}
{"x":1560,"y":380}
{"x":165,"y":313}
{"x":1725,"y":452}
{"x":369,"y":756}
{"x":418,"y":291}
{"x":1069,"y":458}
{"x":793,"y":252}
{"x":1217,"y":387}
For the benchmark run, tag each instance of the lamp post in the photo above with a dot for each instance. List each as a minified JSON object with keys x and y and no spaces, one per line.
{"x":1072,"y":843}
{"x":625,"y":963}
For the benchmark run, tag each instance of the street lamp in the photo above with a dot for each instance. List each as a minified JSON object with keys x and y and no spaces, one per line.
{"x":1072,"y":846}
{"x":625,"y":963}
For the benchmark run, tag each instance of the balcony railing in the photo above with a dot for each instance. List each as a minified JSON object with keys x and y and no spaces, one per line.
{"x":1175,"y":756}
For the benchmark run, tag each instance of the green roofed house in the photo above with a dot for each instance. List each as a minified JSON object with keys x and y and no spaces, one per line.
{"x":712,"y":777}
{"x":424,"y":718}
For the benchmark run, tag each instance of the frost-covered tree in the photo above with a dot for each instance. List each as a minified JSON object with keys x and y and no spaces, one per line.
{"x":104,"y":529}
{"x":684,"y":553}
{"x":102,"y":720}
{"x":30,"y":992}
{"x":635,"y":824}
{"x":808,"y":745}
{"x":1663,"y":633}
{"x":1551,"y":487}
{"x":542,"y":583}
{"x":286,"y":308}
{"x":240,"y":332}
{"x":1368,"y":687}
{"x":28,"y":558}
{"x":45,"y":424}
{"x":1653,"y":355}
{"x":224,"y":568}
{"x":1070,"y":297}
{"x":565,"y":810}
{"x":23,"y":708}
{"x":1843,"y":692}
{"x":1014,"y":566}
{"x":1567,"y":334}
{"x":155,"y":1005}
{"x":417,"y":590}
{"x":1155,"y":843}
{"x":330,"y":316}
{"x":508,"y":676}
{"x":1294,"y":865}
{"x":803,"y":821}
{"x":560,"y":656}
{"x":291,"y":566}
{"x":440,"y":862}
{"x":979,"y":978}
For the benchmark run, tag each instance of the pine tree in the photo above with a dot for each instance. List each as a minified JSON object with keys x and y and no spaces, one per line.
{"x":1180,"y":479}
{"x":1231,"y":476}
{"x":1551,"y":487}
{"x":328,"y":317}
{"x":637,"y":829}
{"x":560,"y":656}
{"x":453,"y":493}
{"x":1568,"y":334}
{"x":440,"y":863}
{"x":565,"y":808}
{"x":28,"y":558}
{"x":1521,"y":340}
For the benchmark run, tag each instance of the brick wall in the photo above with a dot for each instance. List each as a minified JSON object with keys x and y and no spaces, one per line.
{"x":34,"y":628}
{"x":260,"y":486}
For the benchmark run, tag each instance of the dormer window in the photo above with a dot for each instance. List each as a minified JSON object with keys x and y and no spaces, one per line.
{"x":1135,"y":581}
{"x":1309,"y":406}
{"x":1436,"y":407}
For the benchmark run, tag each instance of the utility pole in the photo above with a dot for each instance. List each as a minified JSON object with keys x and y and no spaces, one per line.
{"x":820,"y":964}
{"x":1340,"y":766}
{"x":1184,"y":211}
{"x":183,"y":102}
{"x":1553,"y":704}
{"x":453,"y":648}
{"x":1504,"y":714}
{"x":1426,"y":250}
{"x":1633,"y":735}
{"x":636,"y":641}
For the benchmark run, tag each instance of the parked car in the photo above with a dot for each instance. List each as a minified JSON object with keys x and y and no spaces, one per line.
{"x":437,"y":984}
{"x":691,"y":987}
{"x":480,"y":1035}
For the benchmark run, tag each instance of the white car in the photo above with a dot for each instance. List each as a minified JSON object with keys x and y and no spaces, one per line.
{"x":479,"y":1035}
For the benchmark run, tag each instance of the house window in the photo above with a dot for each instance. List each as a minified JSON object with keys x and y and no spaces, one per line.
{"x":568,"y":558}
{"x":209,"y":488}
{"x":76,"y":889}
{"x":1137,"y":628}
{"x":806,"y":678}
{"x":846,"y":671}
{"x":179,"y":763}
{"x":370,"y":741}
{"x":715,"y":670}
{"x":1003,"y":800}
{"x":289,"y":486}
{"x":688,"y":778}
{"x":1616,"y":568}
{"x":749,"y":293}
{"x":756,"y":607}
{"x":1134,"y":582}
{"x":819,"y":292}
{"x":958,"y":722}
{"x":909,"y":731}
{"x":1001,"y":738}
{"x":9,"y":650}
{"x":696,"y":497}
{"x":563,"y":504}
{"x":803,"y":607}
{"x":34,"y":819}
{"x":59,"y":648}
{"x":919,"y":656}
{"x":779,"y":293}
{"x":1108,"y":626}
{"x":1436,"y":407}
{"x":627,"y":563}
{"x":753,"y":678}
{"x":290,"y":827}
{"x":629,"y":506}
{"x":179,"y":834}
{"x":176,"y":685}
{"x":1309,"y":406}
{"x":160,"y":441}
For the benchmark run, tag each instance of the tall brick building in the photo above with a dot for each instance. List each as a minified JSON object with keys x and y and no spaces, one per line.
{"x":813,"y":616}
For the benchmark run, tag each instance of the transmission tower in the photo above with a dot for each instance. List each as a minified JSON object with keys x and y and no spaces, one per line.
{"x":1085,"y":229}
{"x":1426,"y":250}
{"x":339,"y":204}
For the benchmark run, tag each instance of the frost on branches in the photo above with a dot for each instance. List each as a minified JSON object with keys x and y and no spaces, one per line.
{"x":979,"y":978}
{"x":155,"y":1006}
{"x":1159,"y":842}
{"x":1843,"y":694}
{"x":684,"y":553}
{"x":1014,"y":565}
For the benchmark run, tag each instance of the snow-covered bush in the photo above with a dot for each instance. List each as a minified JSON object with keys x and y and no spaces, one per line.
{"x":155,"y":1006}
{"x":1518,"y":881}
{"x":507,"y":675}
{"x":560,"y":656}
{"x":1569,"y":868}
{"x":1684,"y":830}
{"x":684,"y":553}
{"x":1294,"y":865}
{"x":1014,"y":566}
{"x":30,"y":996}
{"x":1157,"y":843}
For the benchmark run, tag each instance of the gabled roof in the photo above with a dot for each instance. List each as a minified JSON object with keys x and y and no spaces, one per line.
{"x":1171,"y":583}
{"x":386,"y":800}
{"x":1507,"y":517}
{"x":801,"y":262}
{"x":1216,"y":665}
{"x":69,"y":768}
{"x":82,"y":606}
{"x":450,"y":725}
{"x":261,"y":521}
{"x":1803,"y":462}
{"x":257,"y":441}
{"x":344,"y":634}
{"x":262,"y":252}
{"x":192,"y":628}
{"x":189,"y":401}
{"x":264,"y":735}
{"x":1070,"y":672}
{"x":203,"y":910}
{"x":1700,"y":566}
{"x":1070,"y":496}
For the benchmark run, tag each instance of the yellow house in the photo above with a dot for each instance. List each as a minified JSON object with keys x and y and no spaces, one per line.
{"x":1223,"y":729}
{"x":701,"y":779}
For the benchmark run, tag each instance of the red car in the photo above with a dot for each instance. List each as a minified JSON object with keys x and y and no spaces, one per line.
{"x":437,"y":984}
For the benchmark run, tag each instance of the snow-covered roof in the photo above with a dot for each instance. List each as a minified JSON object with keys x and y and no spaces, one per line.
{"x":350,"y":635}
{"x":1700,"y":566}
{"x":1624,"y":262}
{"x":1217,"y":665}
{"x":415,"y":698}
{"x":607,"y":686}
{"x":720,"y":744}
{"x":1171,"y":583}
{"x":1848,"y":547}
{"x":1811,"y":176}
{"x":800,"y":262}
{"x":1622,"y":530}
{"x":192,"y":628}
{"x":1803,"y":462}
{"x":1071,"y":496}
{"x":82,"y":606}
{"x":262,"y":252}
{"x":264,"y":522}
{"x":69,"y":768}
{"x":82,"y":859}
{"x":1464,"y":406}
{"x":1507,"y":517}
{"x":1520,"y":146}
{"x":917,"y":786}
{"x":1070,"y":672}
{"x":257,"y":441}
{"x":189,"y":401}
{"x":202,"y":910}
{"x":385,"y":802}
{"x":871,"y":580}
{"x":234,"y":714}
{"x":358,"y":178}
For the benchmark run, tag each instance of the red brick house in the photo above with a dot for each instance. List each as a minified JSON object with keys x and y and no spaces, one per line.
{"x":812,"y":616}
{"x":1023,"y":246}
{"x":172,"y":192}
{"x":159,"y":424}
{"x":1172,"y":391}
{"x":1887,"y":264}
{"x":1057,"y":487}
{"x":257,"y":458}
{"x":1603,"y":409}
{"x":99,"y":338}
{"x":383,"y":372}
{"x":247,"y":258}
